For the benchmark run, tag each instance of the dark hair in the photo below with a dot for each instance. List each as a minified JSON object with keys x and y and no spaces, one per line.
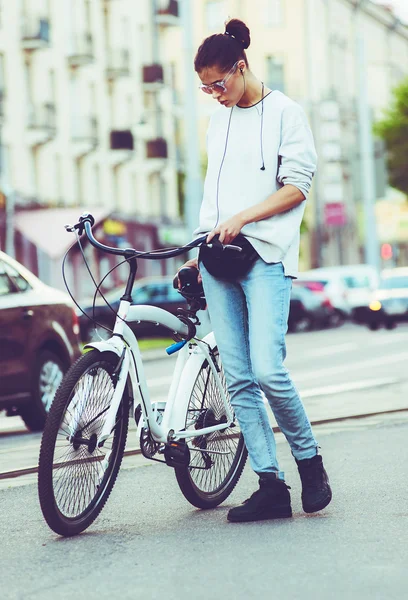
{"x":224,"y":49}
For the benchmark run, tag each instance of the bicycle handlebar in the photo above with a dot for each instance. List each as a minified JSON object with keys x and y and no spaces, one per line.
{"x":86,"y":222}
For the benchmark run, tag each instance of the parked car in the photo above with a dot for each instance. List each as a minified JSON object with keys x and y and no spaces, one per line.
{"x":349,"y":288}
{"x":389,"y":304}
{"x":335,"y":289}
{"x":308,"y":310}
{"x":360,"y":280}
{"x":38,"y":342}
{"x":156,"y":291}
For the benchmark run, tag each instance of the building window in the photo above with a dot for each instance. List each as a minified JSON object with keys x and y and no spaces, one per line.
{"x":275,"y":75}
{"x":274,"y":13}
{"x":214,"y":15}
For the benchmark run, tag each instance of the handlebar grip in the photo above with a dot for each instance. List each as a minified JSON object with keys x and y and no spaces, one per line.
{"x":87,"y":217}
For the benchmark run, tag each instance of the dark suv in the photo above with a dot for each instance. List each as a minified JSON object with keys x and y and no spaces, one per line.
{"x":156,"y":291}
{"x":38,"y":342}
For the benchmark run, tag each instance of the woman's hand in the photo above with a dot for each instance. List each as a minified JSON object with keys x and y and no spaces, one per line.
{"x":227,"y":230}
{"x":190,"y":263}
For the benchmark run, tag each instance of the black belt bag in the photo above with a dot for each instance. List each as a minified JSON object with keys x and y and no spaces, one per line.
{"x":224,"y":263}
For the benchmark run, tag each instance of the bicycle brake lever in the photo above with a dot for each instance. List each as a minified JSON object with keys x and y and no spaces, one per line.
{"x":232,"y":247}
{"x":72,"y":228}
{"x":218,"y":244}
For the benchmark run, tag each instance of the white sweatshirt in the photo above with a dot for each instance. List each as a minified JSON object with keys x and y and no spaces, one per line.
{"x":289,"y":157}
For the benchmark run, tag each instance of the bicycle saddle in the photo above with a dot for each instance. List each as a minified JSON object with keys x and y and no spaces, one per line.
{"x":189,"y":284}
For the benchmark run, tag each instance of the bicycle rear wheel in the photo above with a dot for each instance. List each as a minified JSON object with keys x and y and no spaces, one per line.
{"x":75,"y":477}
{"x":217,"y":459}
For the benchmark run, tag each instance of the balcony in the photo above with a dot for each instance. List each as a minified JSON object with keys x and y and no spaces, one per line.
{"x":156,"y":148}
{"x":153,"y":77}
{"x":122,"y":145}
{"x":35,"y":33}
{"x":41,"y":123}
{"x":81,"y":52}
{"x":84,"y":135}
{"x":121,"y":139}
{"x":167,"y":13}
{"x":118,"y":63}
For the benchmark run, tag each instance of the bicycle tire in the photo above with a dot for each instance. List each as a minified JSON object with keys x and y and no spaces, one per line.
{"x":204,"y":406}
{"x":67,"y":466}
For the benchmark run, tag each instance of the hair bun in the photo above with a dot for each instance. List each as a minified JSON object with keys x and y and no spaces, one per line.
{"x":238,"y":30}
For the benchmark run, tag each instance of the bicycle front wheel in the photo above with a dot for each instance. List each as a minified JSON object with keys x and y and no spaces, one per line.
{"x":75,"y":477}
{"x":217,"y":459}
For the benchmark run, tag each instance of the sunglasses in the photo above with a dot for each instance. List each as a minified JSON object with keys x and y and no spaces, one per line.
{"x":218,"y":86}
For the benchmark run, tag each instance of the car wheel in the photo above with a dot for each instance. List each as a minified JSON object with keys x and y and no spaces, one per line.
{"x":373,"y":326}
{"x":390,"y":324}
{"x":305,"y":323}
{"x":47,"y":375}
{"x":338,"y":318}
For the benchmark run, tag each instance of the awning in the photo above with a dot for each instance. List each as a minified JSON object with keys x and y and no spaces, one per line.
{"x":44,"y":227}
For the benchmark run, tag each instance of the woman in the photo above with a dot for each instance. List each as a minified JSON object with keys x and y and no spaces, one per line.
{"x":261,"y":160}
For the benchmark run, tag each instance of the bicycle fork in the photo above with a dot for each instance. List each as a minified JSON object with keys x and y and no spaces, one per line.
{"x":121,"y":373}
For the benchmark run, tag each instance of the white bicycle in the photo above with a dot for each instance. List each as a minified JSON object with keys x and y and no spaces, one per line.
{"x":194,"y":431}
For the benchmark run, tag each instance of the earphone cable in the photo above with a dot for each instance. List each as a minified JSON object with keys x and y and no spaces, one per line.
{"x":221,"y":165}
{"x":262,"y":114}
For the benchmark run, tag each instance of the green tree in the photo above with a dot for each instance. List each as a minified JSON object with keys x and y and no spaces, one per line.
{"x":393,"y":129}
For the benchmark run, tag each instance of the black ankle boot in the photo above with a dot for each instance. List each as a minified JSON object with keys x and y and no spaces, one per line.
{"x":271,"y":501}
{"x":316,"y":491}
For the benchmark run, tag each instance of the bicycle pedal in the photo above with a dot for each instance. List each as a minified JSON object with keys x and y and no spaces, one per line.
{"x":177,"y":454}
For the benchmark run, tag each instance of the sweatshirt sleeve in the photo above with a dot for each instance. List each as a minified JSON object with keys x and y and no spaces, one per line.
{"x":297,"y":154}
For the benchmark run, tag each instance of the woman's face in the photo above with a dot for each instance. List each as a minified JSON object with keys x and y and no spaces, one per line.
{"x":227,"y":87}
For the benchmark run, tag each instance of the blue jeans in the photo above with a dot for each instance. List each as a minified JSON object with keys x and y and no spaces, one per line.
{"x":249,"y":318}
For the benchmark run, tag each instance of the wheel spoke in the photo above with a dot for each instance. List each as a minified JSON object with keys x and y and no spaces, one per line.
{"x":210,"y":472}
{"x":79,"y":477}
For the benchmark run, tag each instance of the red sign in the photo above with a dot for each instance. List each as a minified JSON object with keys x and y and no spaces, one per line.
{"x":335,"y":214}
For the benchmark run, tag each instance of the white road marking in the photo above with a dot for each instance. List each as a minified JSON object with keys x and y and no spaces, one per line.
{"x":380,"y":361}
{"x":321,"y":373}
{"x":347,"y":387}
{"x":327,"y":350}
{"x":353,"y":386}
{"x":389,"y":339}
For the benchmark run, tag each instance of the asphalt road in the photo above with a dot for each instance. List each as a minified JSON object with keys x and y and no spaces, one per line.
{"x":339,"y":373}
{"x":150,"y":543}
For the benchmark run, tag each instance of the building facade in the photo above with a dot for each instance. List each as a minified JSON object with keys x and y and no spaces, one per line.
{"x":92,"y":98}
{"x":82,"y":124}
{"x":307,"y":49}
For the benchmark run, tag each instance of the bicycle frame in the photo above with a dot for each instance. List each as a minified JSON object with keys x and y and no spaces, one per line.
{"x":189,"y":360}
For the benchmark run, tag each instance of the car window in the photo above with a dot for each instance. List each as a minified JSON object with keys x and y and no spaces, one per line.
{"x":6,"y":287}
{"x":393,"y":283}
{"x":314,"y":285}
{"x":152,"y":293}
{"x":20,"y":283}
{"x":357,"y":281}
